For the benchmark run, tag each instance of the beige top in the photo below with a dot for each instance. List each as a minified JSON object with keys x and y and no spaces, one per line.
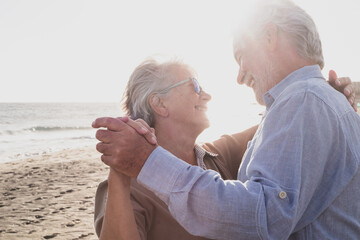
{"x":152,"y":216}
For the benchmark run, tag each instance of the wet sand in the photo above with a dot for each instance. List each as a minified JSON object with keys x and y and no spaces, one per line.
{"x":50,"y":196}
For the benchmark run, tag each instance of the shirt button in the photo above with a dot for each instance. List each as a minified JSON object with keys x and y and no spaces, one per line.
{"x":282,"y":195}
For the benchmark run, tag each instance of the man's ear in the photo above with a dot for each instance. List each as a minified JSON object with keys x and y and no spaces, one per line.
{"x":271,"y":36}
{"x":158,"y":106}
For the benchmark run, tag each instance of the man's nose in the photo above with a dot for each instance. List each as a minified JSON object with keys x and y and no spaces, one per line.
{"x":205,"y":95}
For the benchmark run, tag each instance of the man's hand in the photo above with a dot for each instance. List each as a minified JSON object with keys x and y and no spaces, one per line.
{"x":142,"y":128}
{"x":123,"y":148}
{"x":344,"y":86}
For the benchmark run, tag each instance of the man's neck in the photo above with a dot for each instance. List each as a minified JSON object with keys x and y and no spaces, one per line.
{"x":290,"y":62}
{"x":287,"y":59}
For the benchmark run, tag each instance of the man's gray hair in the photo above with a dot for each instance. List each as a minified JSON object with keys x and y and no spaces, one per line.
{"x":148,"y":78}
{"x":294,"y":22}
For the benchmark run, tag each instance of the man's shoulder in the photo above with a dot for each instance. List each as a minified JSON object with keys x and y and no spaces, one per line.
{"x":317,"y":86}
{"x":318,"y":90}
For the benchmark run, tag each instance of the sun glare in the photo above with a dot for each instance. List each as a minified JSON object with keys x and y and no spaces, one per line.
{"x":89,"y":55}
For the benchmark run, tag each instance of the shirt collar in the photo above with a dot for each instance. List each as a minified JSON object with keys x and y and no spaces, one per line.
{"x":301,"y":74}
{"x":200,"y":155}
{"x":200,"y":151}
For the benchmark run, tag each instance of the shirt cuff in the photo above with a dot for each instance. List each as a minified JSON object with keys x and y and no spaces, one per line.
{"x":160,"y":172}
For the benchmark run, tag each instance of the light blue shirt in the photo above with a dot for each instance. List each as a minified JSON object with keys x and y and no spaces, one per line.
{"x":299,"y":178}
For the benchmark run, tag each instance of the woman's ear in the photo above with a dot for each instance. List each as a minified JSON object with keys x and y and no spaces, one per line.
{"x":158,"y":106}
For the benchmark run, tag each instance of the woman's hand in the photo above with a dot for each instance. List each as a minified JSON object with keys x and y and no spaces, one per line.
{"x":343,"y":85}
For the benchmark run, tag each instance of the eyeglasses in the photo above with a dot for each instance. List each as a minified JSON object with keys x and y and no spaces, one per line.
{"x":197,"y":87}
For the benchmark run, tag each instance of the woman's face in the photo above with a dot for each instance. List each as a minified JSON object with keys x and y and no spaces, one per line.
{"x":187,"y":109}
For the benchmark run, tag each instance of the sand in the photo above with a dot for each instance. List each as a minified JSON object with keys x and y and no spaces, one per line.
{"x":50,"y":196}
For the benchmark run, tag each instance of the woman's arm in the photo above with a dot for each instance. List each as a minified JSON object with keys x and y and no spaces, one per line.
{"x":231,"y":149}
{"x":119,"y":221}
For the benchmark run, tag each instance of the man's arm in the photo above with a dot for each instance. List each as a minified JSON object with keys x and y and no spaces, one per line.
{"x":203,"y":203}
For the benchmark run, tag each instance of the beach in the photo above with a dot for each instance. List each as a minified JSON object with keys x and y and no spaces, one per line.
{"x":50,"y":196}
{"x":47,"y":192}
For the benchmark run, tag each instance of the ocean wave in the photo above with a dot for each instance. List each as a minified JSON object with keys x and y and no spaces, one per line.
{"x":7,"y":132}
{"x":83,"y":137}
{"x":42,"y":129}
{"x":49,"y":129}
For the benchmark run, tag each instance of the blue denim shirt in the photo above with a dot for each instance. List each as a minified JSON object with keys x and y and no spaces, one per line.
{"x":299,"y":178}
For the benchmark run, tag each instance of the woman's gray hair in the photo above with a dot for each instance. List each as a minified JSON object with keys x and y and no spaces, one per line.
{"x":294,"y":22}
{"x":148,"y":78}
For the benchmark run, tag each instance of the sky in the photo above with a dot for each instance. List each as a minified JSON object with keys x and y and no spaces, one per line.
{"x":85,"y":50}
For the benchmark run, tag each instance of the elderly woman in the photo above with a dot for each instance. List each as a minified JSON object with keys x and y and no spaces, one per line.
{"x":169,"y":98}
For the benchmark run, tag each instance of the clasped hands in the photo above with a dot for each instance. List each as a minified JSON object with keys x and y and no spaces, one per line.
{"x":125,"y":144}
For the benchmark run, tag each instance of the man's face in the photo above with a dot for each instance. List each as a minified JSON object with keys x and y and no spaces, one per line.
{"x":253,"y":61}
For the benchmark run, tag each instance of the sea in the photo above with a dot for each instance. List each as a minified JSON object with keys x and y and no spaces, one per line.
{"x":31,"y":129}
{"x":35,"y":129}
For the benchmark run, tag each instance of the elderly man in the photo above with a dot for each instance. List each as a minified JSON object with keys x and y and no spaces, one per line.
{"x":299,"y":178}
